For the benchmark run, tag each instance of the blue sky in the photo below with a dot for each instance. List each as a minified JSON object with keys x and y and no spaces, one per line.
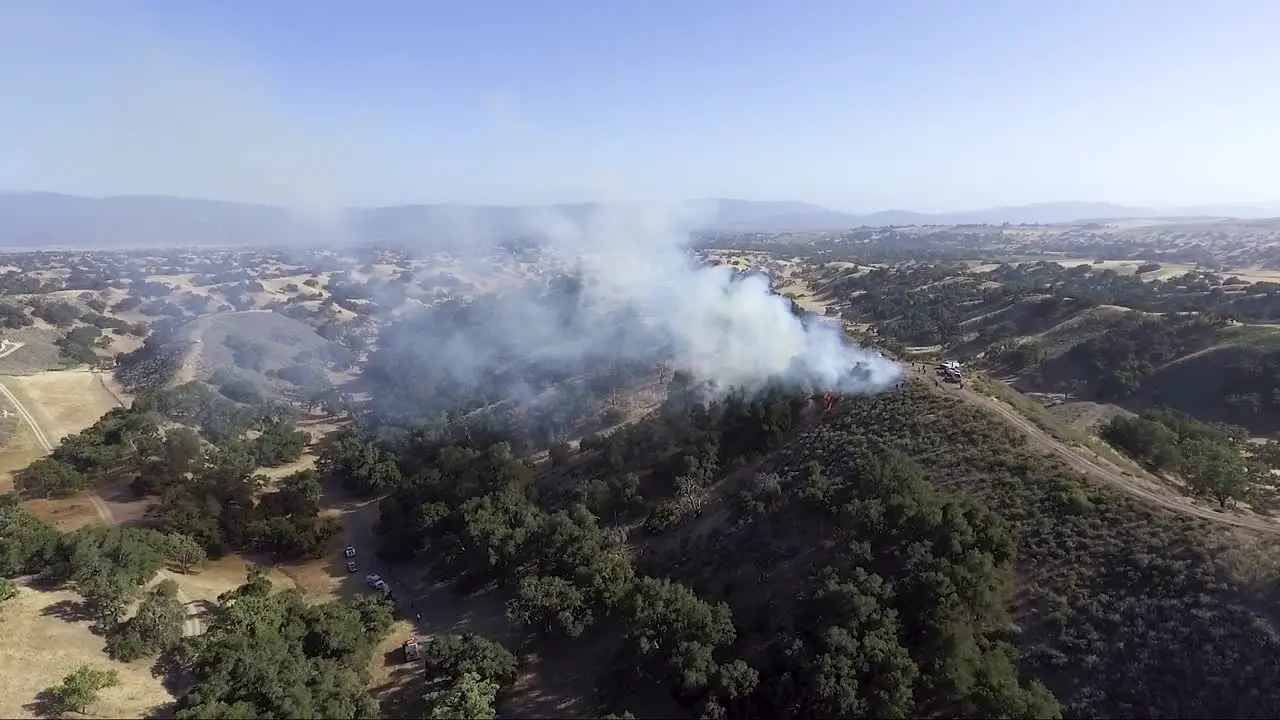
{"x":855,"y":105}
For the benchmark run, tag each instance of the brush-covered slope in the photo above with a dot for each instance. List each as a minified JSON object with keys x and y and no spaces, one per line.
{"x":1047,"y":318}
{"x":914,"y":486}
{"x":1236,"y":381}
{"x":1206,"y":366}
{"x":905,"y":555}
{"x":255,"y":341}
{"x":267,"y":350}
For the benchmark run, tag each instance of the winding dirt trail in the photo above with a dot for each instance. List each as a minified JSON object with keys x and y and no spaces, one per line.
{"x":1139,"y":484}
{"x":27,"y":418}
{"x":192,"y":625}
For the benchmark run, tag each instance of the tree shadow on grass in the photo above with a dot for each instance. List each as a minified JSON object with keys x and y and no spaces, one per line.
{"x":45,"y":705}
{"x":172,"y":670}
{"x":74,"y":611}
{"x":162,"y":712}
{"x":204,"y":608}
{"x":400,"y":695}
{"x":44,"y":582}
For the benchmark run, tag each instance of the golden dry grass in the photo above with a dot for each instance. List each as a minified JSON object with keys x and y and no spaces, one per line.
{"x":18,"y":451}
{"x":801,"y":293}
{"x":1254,"y":274}
{"x":388,"y":672}
{"x":39,"y":649}
{"x":177,"y":282}
{"x":123,"y":343}
{"x":1129,"y":267}
{"x":63,"y":402}
{"x":65,"y":514}
{"x":222,"y":575}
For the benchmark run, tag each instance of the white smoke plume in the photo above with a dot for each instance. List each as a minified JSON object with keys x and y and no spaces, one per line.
{"x":731,"y":333}
{"x":724,"y":331}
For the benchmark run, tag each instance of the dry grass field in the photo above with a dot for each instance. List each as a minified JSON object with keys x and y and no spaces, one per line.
{"x":20,"y":448}
{"x":63,"y":402}
{"x":42,"y":620}
{"x":60,"y":403}
{"x":47,"y":620}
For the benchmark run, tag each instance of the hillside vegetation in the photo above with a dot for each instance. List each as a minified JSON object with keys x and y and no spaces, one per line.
{"x":907,"y":558}
{"x":1183,"y":342}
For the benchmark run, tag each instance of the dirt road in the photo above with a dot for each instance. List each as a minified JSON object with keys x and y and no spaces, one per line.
{"x":192,"y":626}
{"x":1136,"y":483}
{"x":27,"y":418}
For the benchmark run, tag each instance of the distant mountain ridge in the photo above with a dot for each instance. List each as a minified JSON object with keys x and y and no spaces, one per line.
{"x":38,"y":219}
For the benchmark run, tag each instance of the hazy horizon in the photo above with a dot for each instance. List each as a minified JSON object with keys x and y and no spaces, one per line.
{"x":666,"y":205}
{"x":921,"y":106}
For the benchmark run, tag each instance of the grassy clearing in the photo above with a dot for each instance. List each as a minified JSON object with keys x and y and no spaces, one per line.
{"x":222,"y":575}
{"x":62,"y":402}
{"x":46,"y":621}
{"x":19,"y":449}
{"x":65,"y":514}
{"x":1254,"y":274}
{"x":1129,"y":267}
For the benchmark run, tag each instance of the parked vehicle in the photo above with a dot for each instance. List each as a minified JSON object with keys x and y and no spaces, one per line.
{"x":412,"y":650}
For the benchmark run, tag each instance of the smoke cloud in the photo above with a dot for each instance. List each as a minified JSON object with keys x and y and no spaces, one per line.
{"x":724,"y":331}
{"x":636,"y":295}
